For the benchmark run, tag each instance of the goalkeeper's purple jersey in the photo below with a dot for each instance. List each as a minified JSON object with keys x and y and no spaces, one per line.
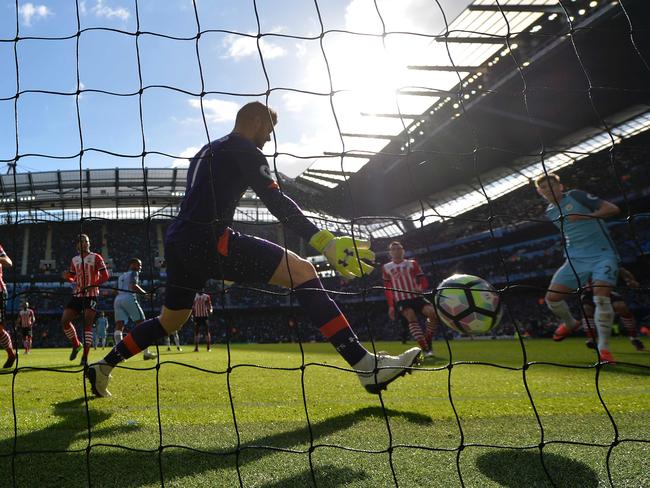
{"x":217,"y":178}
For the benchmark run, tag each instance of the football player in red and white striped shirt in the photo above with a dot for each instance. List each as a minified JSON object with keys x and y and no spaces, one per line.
{"x":26,"y":321}
{"x":201,"y":310}
{"x":87,"y":271}
{"x":404,"y":283}
{"x":5,"y":338}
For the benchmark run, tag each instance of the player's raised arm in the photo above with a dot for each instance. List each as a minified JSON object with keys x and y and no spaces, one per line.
{"x":345,"y":254}
{"x":600,"y":209}
{"x":134,"y":285}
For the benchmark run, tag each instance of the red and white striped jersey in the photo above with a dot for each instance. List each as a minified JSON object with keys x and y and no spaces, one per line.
{"x":405,"y":275}
{"x":26,"y":317}
{"x":3,"y":287}
{"x":87,"y":274}
{"x":202,"y":306}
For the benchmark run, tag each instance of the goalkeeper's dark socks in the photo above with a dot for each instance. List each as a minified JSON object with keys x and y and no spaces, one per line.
{"x":344,"y":340}
{"x":327,"y":316}
{"x":142,"y":336}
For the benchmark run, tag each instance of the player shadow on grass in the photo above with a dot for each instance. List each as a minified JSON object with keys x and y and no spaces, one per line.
{"x":632,"y":367}
{"x":515,"y":468}
{"x":328,"y":475}
{"x":60,"y":435}
{"x":39,"y":450}
{"x":180,"y":462}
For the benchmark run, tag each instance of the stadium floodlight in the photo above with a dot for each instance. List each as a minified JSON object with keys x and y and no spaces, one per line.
{"x":472,"y":40}
{"x":455,"y":69}
{"x":318,"y":181}
{"x":392,"y":116}
{"x":368,"y":136}
{"x":519,"y":8}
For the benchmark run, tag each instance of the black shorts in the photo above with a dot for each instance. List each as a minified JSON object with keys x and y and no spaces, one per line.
{"x":416,"y":304}
{"x":587,"y":298}
{"x":79,"y":304}
{"x":233,"y":256}
{"x":200,"y":322}
{"x":27,"y":331}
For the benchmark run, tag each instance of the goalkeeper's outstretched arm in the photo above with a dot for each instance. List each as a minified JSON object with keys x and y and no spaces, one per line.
{"x":345,"y":254}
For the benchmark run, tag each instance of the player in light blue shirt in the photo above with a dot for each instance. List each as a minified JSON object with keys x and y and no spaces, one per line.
{"x":590,"y":254}
{"x":101,"y":328}
{"x":126,"y":305}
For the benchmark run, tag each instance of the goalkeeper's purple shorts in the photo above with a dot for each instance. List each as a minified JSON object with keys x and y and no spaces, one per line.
{"x":232,"y":256}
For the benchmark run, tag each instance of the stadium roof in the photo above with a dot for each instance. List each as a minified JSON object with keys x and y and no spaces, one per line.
{"x":100,"y":187}
{"x":560,"y":79}
{"x":432,"y":70}
{"x":120,"y":193}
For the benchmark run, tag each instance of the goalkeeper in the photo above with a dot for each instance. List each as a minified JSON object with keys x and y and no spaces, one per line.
{"x":200,"y":245}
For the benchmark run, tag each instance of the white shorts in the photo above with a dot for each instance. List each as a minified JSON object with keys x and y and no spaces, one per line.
{"x":126,"y":309}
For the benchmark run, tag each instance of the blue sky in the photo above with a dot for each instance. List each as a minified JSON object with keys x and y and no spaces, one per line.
{"x":366,"y":69}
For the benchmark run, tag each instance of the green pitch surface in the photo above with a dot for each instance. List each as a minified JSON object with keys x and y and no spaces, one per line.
{"x":65,"y":441}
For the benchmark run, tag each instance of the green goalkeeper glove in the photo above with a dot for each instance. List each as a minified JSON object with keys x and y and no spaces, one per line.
{"x":342,"y":255}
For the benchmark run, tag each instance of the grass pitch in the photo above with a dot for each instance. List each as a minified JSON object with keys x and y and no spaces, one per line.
{"x":265,"y":427}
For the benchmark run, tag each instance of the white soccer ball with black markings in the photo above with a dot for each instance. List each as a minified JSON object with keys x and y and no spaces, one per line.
{"x":468,"y":304}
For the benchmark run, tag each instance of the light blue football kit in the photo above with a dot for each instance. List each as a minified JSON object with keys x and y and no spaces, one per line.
{"x":126,"y":304}
{"x":101,"y":324}
{"x":589,"y":250}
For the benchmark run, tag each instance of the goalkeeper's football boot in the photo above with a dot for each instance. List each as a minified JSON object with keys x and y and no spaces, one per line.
{"x":75,"y":352}
{"x":562,"y":332}
{"x":98,"y":380}
{"x":376,"y":372}
{"x":590,"y":343}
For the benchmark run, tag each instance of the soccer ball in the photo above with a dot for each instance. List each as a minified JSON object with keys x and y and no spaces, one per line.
{"x":468,"y":304}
